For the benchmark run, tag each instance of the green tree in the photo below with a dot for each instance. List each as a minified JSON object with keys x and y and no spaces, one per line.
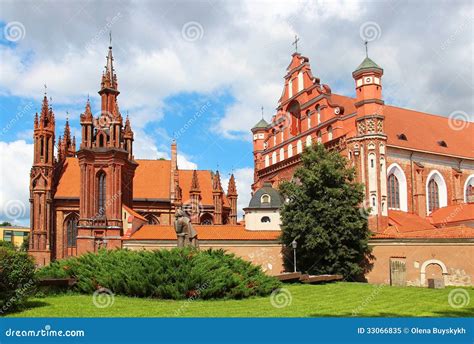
{"x":5,"y":224}
{"x":323,"y":214}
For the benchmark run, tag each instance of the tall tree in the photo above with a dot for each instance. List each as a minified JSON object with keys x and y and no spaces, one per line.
{"x":323,"y":214}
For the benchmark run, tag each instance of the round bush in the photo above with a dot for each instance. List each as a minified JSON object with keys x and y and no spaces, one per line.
{"x":17,"y":278}
{"x":166,"y":274}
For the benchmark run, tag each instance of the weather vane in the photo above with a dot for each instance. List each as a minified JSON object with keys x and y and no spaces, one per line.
{"x":295,"y":43}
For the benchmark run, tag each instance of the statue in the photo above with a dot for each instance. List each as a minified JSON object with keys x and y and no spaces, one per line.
{"x":185,"y":232}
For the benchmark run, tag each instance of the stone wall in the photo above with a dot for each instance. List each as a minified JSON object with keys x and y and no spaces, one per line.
{"x":450,"y":261}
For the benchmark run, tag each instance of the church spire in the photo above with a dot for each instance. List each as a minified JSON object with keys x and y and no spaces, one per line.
{"x":195,"y":182}
{"x":231,"y":189}
{"x":109,"y":78}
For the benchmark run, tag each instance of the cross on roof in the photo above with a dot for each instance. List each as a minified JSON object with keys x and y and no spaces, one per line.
{"x":262,"y":112}
{"x":45,"y":89}
{"x":366,"y":48}
{"x":110,"y":38}
{"x":295,"y":43}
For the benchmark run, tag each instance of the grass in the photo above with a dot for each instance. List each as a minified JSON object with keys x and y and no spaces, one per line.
{"x":329,"y":300}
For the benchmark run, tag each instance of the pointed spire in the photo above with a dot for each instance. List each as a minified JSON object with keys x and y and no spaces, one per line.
{"x":36,"y":120}
{"x":109,"y":79}
{"x":216,"y":183}
{"x":67,"y":133}
{"x":195,"y":183}
{"x":232,"y":189}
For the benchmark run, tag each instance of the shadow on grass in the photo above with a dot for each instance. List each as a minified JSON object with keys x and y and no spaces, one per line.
{"x":29,"y":305}
{"x":460,"y":313}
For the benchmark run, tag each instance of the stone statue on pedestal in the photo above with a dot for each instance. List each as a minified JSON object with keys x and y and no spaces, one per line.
{"x":185,"y":232}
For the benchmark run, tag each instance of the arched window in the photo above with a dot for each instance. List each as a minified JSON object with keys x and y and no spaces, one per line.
{"x":295,"y":113}
{"x":320,"y":137}
{"x":152,"y":219}
{"x":308,"y":141}
{"x":308,"y":116}
{"x":329,"y":133}
{"x":290,"y":151}
{"x":282,"y":154}
{"x":433,"y":195}
{"x":393,"y":192}
{"x":274,"y":157}
{"x":299,"y":147}
{"x":436,"y":192}
{"x":397,"y":189}
{"x":267,"y":161}
{"x":265,"y":219}
{"x":207,"y":219}
{"x":469,"y":190}
{"x":71,"y":231}
{"x":318,"y":111}
{"x":290,"y":89}
{"x":300,"y":82}
{"x":101,"y":193}
{"x":265,"y":199}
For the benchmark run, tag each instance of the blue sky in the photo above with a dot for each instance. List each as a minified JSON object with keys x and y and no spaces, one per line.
{"x":223,"y":60}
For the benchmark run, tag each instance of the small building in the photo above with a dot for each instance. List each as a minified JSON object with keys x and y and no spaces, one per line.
{"x":14,"y":234}
{"x":263,"y":212}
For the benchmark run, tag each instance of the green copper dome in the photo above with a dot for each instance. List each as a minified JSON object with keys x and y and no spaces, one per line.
{"x":366,"y":64}
{"x":262,"y":124}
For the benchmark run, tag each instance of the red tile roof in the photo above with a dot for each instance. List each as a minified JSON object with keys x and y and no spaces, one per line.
{"x":134,"y":213}
{"x":152,"y":180}
{"x":215,"y":232}
{"x":453,"y":213}
{"x":404,"y":225}
{"x":459,"y":232}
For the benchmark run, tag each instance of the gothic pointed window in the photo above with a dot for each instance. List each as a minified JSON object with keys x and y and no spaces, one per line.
{"x":329,"y":133}
{"x":101,"y":193}
{"x":71,"y":231}
{"x":433,"y":195}
{"x":393,"y":192}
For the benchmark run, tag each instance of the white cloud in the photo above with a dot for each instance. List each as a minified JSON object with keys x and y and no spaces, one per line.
{"x":244,"y":180}
{"x":15,"y":165}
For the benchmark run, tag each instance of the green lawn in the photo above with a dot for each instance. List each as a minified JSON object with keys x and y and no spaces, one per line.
{"x":337,"y":299}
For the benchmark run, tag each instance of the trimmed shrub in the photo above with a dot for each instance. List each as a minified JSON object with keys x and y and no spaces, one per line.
{"x":17,"y":278}
{"x":166,"y":274}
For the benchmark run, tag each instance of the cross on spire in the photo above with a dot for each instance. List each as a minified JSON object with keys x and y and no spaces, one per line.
{"x":262,"y":111}
{"x":45,"y":89}
{"x":295,"y":43}
{"x":366,"y":48}
{"x":110,"y":38}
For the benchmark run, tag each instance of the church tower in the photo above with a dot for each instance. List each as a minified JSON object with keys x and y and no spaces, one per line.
{"x":217,"y":193}
{"x":107,"y":169}
{"x":232,"y":196}
{"x":368,"y":147}
{"x":41,"y":185}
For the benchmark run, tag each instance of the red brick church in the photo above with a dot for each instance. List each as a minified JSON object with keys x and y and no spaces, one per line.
{"x":417,"y":168}
{"x":93,"y":197}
